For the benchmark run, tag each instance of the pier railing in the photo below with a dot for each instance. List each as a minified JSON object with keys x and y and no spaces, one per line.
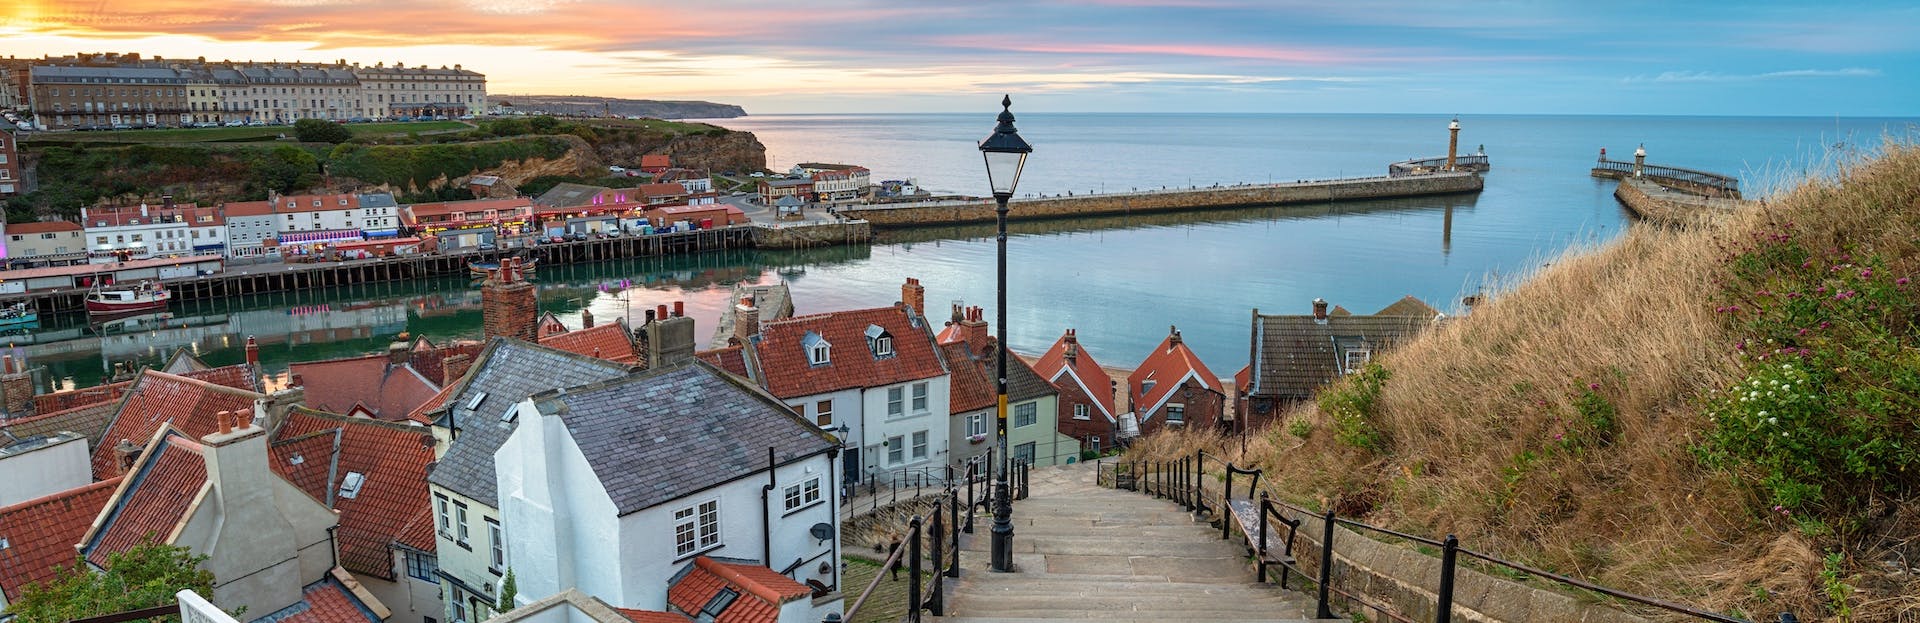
{"x":1700,"y":182}
{"x":1418,"y":166}
{"x":1262,"y":519}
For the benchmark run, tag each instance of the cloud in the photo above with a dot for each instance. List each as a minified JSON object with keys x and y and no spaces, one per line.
{"x":1708,"y":76}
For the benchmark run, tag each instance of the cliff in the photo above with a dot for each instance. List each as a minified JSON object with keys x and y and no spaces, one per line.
{"x":598,"y":106}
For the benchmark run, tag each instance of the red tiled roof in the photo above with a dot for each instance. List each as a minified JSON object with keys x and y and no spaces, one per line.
{"x":390,"y":392}
{"x":419,"y":414}
{"x":170,"y":476}
{"x":656,"y":160}
{"x":783,"y":359}
{"x":1169,"y":366}
{"x":327,"y":601}
{"x":650,"y":616}
{"x":430,"y":359}
{"x":1092,"y":379}
{"x":305,"y":460}
{"x":40,"y":533}
{"x":609,"y":341}
{"x":61,"y":401}
{"x":392,"y":461}
{"x":158,"y":399}
{"x":1242,"y":378}
{"x":969,"y":387}
{"x":42,"y":227}
{"x":131,"y":215}
{"x":513,"y":204}
{"x":733,"y":359}
{"x":657,"y":190}
{"x":247,"y":208}
{"x":761,"y":590}
{"x":237,"y":376}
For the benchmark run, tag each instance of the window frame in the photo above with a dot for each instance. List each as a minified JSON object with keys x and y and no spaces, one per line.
{"x":496,"y":547}
{"x":460,"y":525}
{"x":800,"y":496}
{"x":977,"y":424}
{"x":1081,"y":412}
{"x":920,"y":394}
{"x":445,"y":512}
{"x":919,"y":450}
{"x":697,"y":518}
{"x":896,"y":449}
{"x":896,"y":401}
{"x":1176,"y":413}
{"x":421,"y":565}
{"x":1028,"y":410}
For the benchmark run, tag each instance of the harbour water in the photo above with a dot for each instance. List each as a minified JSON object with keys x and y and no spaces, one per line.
{"x":1119,"y":281}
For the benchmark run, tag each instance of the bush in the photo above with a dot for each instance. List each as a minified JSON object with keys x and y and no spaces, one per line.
{"x":1352,"y":406}
{"x":320,"y":131}
{"x":418,"y":166}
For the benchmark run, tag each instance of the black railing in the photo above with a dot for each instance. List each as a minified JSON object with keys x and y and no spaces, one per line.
{"x":889,"y":487}
{"x":1722,"y":184}
{"x":1183,"y":482}
{"x":938,"y":531}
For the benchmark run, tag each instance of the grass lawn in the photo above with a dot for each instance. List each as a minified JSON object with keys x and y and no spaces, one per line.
{"x":670,"y":127}
{"x":889,"y":599}
{"x":221,"y":134}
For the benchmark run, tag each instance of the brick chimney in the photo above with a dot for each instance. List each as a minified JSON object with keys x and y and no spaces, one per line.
{"x":253,"y":353}
{"x":124,"y":454}
{"x":254,"y":537}
{"x":454,"y":367}
{"x":746,"y":319}
{"x":1173,"y":335}
{"x":1320,"y":311}
{"x":669,"y":340}
{"x":16,"y":383}
{"x":586,"y":318}
{"x":508,"y":305}
{"x":973,"y":328}
{"x":914,"y":296}
{"x":1072,"y":351}
{"x":398,"y":352}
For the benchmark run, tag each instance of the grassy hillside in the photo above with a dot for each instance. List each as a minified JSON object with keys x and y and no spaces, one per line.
{"x":1727,"y":416}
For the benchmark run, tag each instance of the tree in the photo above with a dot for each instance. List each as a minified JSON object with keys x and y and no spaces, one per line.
{"x":145,"y":576}
{"x":543,"y":124}
{"x":320,"y":131}
{"x":508,"y":591}
{"x":285,"y":169}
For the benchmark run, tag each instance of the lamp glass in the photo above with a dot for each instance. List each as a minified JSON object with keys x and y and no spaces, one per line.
{"x":1003,"y":170}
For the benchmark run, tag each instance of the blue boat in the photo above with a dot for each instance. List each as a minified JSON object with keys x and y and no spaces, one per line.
{"x":19,"y":316}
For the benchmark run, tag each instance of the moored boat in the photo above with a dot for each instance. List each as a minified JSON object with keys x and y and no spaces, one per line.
{"x":480,"y":269}
{"x":18,"y":315}
{"x":123,"y":299}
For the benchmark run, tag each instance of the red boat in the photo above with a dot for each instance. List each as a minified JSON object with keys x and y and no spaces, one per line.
{"x":122,"y":299}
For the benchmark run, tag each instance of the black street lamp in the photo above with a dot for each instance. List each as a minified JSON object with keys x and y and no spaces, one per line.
{"x":1006,"y":153}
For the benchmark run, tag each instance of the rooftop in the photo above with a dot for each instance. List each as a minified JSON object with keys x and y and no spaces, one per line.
{"x":322,"y":452}
{"x":780,"y":352}
{"x":1082,"y":370}
{"x":157,"y":497}
{"x":609,"y":340}
{"x":371,"y":382}
{"x":758,"y":591}
{"x":158,"y":399}
{"x":42,"y":227}
{"x":1168,"y":367}
{"x":40,"y":533}
{"x":325,"y":601}
{"x":1296,"y":354}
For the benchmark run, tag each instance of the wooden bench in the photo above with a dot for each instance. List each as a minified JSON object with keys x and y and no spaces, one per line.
{"x":1251,"y":515}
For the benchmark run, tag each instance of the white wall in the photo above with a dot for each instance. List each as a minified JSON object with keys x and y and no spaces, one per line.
{"x":562,"y":528}
{"x":411,"y":599}
{"x":44,"y":470}
{"x":877,"y":426}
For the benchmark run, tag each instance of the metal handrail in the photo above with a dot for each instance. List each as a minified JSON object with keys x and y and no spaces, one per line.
{"x":942,"y":524}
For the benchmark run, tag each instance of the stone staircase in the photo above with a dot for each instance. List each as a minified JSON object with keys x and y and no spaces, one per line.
{"x":1084,"y":553}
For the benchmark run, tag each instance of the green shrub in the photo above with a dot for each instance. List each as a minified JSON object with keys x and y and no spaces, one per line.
{"x":405,"y":165}
{"x":1352,"y":406}
{"x":320,"y":131}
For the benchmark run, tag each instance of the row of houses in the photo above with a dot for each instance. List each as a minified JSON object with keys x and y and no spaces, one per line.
{"x":109,"y":90}
{"x":812,"y":182}
{"x":302,"y":223}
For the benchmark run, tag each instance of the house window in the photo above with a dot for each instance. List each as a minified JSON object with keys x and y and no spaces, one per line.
{"x":803,"y":494}
{"x":896,"y":450}
{"x":823,"y":413}
{"x":497,"y":542}
{"x":976,"y":424}
{"x":880,"y":341}
{"x":920,"y":445}
{"x":696,"y":528}
{"x":1024,"y":414}
{"x":819,"y":352}
{"x":1357,"y":359}
{"x":919,"y":397}
{"x":1024,"y":452}
{"x":460,"y":524}
{"x":459,"y":611}
{"x":896,"y":401}
{"x":446,"y":518}
{"x":1080,"y":412}
{"x":1176,"y":413}
{"x":420,"y":566}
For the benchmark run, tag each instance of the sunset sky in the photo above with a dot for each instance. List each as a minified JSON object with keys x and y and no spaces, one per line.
{"x":1488,"y":56}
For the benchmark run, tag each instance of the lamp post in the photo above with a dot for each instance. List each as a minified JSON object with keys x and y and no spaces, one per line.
{"x":1005,"y":153}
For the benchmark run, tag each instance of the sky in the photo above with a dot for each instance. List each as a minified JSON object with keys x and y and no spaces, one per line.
{"x":1757,"y":57}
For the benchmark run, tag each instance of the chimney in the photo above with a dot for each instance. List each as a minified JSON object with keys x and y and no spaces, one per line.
{"x":650,"y":318}
{"x":1173,"y":335}
{"x":143,"y":208}
{"x":253,"y":534}
{"x":1072,"y":351}
{"x":586,"y":318}
{"x":124,"y":454}
{"x":746,"y":319}
{"x":973,"y":328}
{"x":509,"y":307}
{"x":253,"y":353}
{"x":454,"y":367}
{"x":959,"y":313}
{"x":398,"y":353}
{"x":679,"y":309}
{"x":669,"y":341}
{"x":16,"y":386}
{"x":914,"y":296}
{"x":1320,"y":311}
{"x":166,"y":201}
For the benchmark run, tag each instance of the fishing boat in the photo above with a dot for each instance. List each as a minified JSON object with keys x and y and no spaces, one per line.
{"x":123,"y":299}
{"x":18,"y":315}
{"x":480,"y":269}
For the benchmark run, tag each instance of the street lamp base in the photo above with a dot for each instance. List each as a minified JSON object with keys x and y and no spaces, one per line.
{"x":1002,"y":548}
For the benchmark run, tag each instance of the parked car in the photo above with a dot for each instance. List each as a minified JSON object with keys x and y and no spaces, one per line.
{"x":557,"y":239}
{"x":487,"y":246}
{"x":759,"y":174}
{"x":616,"y":169}
{"x":576,"y":237}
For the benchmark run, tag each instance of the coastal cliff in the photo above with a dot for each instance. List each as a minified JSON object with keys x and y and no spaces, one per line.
{"x":596,"y":106}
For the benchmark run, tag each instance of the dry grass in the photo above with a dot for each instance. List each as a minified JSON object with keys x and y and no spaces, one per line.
{"x":1472,"y":409}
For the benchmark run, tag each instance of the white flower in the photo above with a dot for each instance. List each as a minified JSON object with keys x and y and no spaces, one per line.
{"x":1773,"y":420}
{"x":1763,"y":414}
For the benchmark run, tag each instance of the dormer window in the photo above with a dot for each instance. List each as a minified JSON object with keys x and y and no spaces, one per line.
{"x":1352,"y":352}
{"x":819,"y":352}
{"x":1357,"y":359}
{"x":879,"y":341}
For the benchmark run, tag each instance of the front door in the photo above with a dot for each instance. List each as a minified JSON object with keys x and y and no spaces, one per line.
{"x":850,"y":466}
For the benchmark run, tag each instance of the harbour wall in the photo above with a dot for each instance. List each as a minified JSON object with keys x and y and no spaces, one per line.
{"x":1307,"y":192}
{"x":1655,"y":204}
{"x":808,"y":235}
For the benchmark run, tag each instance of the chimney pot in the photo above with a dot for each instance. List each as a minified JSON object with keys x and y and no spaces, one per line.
{"x":679,"y":309}
{"x":226,"y":421}
{"x":586,"y":319}
{"x":253,"y":352}
{"x":1320,"y":310}
{"x":660,"y":313}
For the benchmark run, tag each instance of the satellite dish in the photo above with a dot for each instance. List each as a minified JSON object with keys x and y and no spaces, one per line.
{"x":822,"y":531}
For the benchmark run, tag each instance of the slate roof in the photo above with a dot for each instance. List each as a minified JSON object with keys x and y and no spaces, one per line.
{"x":508,"y":371}
{"x":972,"y":385}
{"x":156,"y":498}
{"x":158,"y":399}
{"x":40,"y":533}
{"x":1294,"y":355}
{"x":390,"y":392}
{"x":781,"y":360}
{"x":760,"y":590}
{"x":733,"y":359}
{"x":325,"y":601}
{"x":568,"y":195}
{"x":662,"y":434}
{"x":1084,"y":371}
{"x":610,"y":341}
{"x":392,"y":460}
{"x":1168,"y":366}
{"x":89,"y":420}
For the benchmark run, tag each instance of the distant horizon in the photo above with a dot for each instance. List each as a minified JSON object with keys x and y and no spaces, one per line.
{"x":1463,"y":115}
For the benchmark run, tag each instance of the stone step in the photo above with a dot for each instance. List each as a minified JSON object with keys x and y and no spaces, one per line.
{"x":1118,"y":611}
{"x":1108,"y":617}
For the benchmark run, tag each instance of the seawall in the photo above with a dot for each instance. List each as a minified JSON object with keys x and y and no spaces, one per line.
{"x":1322,"y":191}
{"x":1654,"y":204}
{"x":806,"y":235}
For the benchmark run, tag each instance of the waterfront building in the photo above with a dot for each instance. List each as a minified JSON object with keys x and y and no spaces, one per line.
{"x":772,"y":190}
{"x":373,"y":474}
{"x":287,"y":92}
{"x":401,"y":91}
{"x":468,"y":224}
{"x":295,"y":223}
{"x":693,"y":181}
{"x":12,"y":176}
{"x":1172,"y":388}
{"x":44,"y":243}
{"x":1296,"y":355}
{"x":877,"y":372}
{"x":617,"y":488}
{"x":836,"y":182}
{"x":65,"y":97}
{"x":655,"y":164}
{"x":121,"y":233}
{"x":1086,"y":392}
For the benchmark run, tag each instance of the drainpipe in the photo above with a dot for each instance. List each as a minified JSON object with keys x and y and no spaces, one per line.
{"x":766,"y":513}
{"x":833,"y":460}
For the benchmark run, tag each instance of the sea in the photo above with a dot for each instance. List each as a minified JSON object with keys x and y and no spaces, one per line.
{"x":1123,"y":283}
